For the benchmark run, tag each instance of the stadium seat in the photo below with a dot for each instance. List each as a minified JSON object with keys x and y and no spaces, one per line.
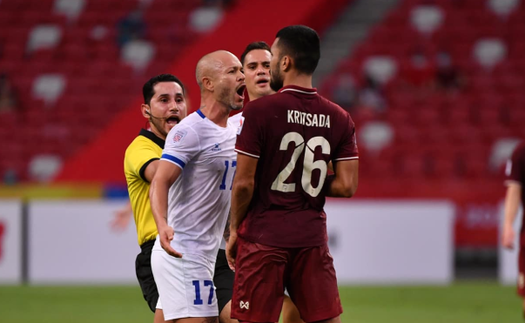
{"x":44,"y":36}
{"x":43,"y":168}
{"x":138,"y":54}
{"x":49,"y":87}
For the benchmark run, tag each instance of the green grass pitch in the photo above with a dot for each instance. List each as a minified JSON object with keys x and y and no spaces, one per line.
{"x":479,"y":302}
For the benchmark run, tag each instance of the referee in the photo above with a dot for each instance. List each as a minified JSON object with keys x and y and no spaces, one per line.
{"x":164,"y":107}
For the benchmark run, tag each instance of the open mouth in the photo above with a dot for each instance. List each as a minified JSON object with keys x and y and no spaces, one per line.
{"x":240,"y":91}
{"x":173,"y":120}
{"x":263,"y":82}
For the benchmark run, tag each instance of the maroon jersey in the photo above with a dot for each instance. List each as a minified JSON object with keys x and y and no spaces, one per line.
{"x":294,"y":134}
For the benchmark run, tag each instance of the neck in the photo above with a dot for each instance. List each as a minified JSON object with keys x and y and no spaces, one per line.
{"x":156,"y":132}
{"x":215,"y":111}
{"x":302,"y":80}
{"x":254,"y":96}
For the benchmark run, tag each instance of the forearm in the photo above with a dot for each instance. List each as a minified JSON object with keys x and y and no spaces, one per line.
{"x":241,"y":197}
{"x":337,"y":187}
{"x":158,"y":194}
{"x":512,"y":202}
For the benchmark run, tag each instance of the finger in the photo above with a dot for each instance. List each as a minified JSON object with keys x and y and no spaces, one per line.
{"x":173,"y":252}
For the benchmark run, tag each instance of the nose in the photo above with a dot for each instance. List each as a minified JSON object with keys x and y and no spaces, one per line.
{"x":174,"y":107}
{"x":241,"y":76}
{"x":261,"y":70}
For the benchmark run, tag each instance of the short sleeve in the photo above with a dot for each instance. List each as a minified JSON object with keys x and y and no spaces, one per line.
{"x":138,"y":157}
{"x":515,"y":166}
{"x":348,"y":146}
{"x":182,"y":144}
{"x":249,"y":132}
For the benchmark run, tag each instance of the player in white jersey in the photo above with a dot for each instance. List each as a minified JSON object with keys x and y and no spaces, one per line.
{"x":190,"y":193}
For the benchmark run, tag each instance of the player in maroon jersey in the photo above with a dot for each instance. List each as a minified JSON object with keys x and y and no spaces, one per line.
{"x":278,"y":225}
{"x":515,"y":193}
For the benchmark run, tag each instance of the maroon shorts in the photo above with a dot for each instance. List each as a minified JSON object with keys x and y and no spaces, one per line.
{"x":262,"y":272}
{"x":521,"y":271}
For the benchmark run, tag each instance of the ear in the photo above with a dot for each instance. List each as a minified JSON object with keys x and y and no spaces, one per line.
{"x":208,"y":84}
{"x":286,"y":63}
{"x":144,"y":108}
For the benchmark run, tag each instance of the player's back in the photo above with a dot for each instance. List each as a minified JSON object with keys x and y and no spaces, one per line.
{"x":294,"y":133}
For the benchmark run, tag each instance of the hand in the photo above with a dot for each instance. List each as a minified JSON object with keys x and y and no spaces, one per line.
{"x":121,"y":219}
{"x":507,"y":239}
{"x":231,"y":249}
{"x":166,"y":235}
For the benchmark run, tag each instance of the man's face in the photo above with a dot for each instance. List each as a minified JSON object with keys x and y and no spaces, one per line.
{"x":276,"y":77}
{"x":257,"y":72}
{"x":229,"y":89}
{"x":167,"y":107}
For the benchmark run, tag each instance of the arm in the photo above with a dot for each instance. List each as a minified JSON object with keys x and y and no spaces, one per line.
{"x":242,"y":193}
{"x":512,"y":202}
{"x":121,"y":218}
{"x":165,"y":175}
{"x":344,"y":182}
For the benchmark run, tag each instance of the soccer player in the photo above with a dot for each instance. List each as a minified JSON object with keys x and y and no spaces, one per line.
{"x":278,"y":226}
{"x":255,"y":61}
{"x":164,"y":106}
{"x":515,"y":172}
{"x":190,"y":193}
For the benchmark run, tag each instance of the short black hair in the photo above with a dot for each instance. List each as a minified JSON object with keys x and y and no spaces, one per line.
{"x":253,"y":46}
{"x":147,"y":89}
{"x":303,"y":45}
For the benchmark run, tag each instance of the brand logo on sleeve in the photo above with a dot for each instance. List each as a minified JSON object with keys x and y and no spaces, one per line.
{"x":179,"y":135}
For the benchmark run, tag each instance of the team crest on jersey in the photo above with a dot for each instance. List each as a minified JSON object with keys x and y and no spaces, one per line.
{"x":241,"y":123}
{"x":179,"y":135}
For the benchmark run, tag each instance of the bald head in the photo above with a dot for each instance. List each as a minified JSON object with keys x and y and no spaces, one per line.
{"x":211,"y":64}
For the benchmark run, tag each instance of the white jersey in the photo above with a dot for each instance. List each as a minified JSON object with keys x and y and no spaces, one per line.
{"x":199,"y":200}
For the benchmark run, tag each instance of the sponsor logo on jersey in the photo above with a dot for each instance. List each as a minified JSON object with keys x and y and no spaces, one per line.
{"x":216,"y":147}
{"x":245,"y":305}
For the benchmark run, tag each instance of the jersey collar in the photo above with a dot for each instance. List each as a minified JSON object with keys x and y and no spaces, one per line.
{"x":298,"y":89}
{"x":151,"y":136}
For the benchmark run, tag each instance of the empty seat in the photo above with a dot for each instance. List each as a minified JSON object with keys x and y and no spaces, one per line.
{"x":490,"y":51}
{"x":426,"y":18}
{"x":44,"y":36}
{"x":49,"y":87}
{"x":380,"y":68}
{"x":376,"y":135}
{"x":43,"y":168}
{"x":70,"y":8}
{"x":138,"y":54}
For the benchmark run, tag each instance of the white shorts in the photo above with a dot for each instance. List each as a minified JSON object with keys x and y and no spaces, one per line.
{"x":185,"y":285}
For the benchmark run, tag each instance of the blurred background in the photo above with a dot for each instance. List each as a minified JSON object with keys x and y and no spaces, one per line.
{"x":436,"y":89}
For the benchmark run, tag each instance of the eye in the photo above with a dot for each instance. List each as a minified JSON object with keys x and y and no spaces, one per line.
{"x":267,"y":65}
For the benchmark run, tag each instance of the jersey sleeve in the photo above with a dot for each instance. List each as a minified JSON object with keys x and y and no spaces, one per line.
{"x":347,"y":149}
{"x":182,"y":144}
{"x":249,"y":133}
{"x":515,"y":166}
{"x":138,"y":157}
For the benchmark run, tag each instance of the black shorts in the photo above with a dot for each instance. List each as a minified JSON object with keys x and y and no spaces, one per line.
{"x":223,"y":280}
{"x":145,"y":275}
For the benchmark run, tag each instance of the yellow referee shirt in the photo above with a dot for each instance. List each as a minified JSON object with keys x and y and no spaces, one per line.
{"x":147,"y":147}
